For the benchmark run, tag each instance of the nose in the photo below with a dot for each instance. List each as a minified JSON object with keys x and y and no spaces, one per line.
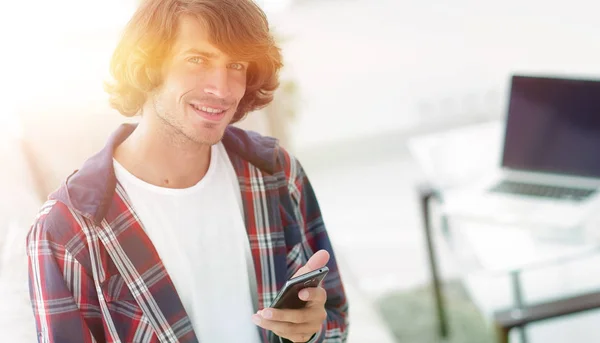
{"x":217,"y":83}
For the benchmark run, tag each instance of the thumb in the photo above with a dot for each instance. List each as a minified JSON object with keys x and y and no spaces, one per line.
{"x":316,"y":261}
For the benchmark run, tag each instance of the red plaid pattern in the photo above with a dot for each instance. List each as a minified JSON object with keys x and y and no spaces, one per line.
{"x":96,"y":277}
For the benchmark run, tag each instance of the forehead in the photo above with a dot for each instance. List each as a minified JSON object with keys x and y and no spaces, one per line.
{"x":192,"y":33}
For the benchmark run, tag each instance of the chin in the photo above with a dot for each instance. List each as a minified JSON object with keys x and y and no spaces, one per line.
{"x":206,"y":132}
{"x":208,"y":137}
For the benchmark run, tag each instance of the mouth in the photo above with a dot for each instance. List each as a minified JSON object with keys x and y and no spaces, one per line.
{"x":209,"y":112}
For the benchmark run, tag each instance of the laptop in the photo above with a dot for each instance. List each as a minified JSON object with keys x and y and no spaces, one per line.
{"x":549,"y":171}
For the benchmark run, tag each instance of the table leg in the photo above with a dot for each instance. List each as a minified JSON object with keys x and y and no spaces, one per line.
{"x":518,"y":297}
{"x":426,"y":193}
{"x":502,"y":334}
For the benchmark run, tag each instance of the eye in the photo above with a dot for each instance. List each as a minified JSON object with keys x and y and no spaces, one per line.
{"x":196,"y":60}
{"x":237,"y":66}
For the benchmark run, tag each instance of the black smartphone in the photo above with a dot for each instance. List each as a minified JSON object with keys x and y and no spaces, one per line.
{"x":288,"y":295}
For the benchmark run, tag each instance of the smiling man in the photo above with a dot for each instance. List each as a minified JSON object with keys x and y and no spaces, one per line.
{"x":183,"y":228}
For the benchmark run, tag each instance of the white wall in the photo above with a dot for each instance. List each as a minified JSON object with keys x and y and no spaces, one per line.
{"x":366,"y":67}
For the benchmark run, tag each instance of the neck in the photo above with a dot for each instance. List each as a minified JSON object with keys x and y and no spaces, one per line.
{"x":154,"y":154}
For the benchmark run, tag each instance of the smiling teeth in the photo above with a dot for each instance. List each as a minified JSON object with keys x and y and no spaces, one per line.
{"x":209,"y":109}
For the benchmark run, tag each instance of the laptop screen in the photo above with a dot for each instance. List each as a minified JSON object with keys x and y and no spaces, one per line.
{"x":553,"y":126}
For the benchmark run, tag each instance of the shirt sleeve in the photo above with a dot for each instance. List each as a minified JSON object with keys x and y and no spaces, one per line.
{"x":310,"y":220}
{"x":58,"y":287}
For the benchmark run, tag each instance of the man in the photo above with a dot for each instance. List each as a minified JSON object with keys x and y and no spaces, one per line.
{"x":183,"y":228}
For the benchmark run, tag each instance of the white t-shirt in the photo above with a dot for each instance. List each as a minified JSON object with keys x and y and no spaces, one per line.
{"x":200,"y":236}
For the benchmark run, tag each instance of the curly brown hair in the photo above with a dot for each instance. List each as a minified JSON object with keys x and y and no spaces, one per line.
{"x":239,"y":28}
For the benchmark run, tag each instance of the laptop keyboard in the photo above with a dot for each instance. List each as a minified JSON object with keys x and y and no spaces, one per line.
{"x":545,"y":191}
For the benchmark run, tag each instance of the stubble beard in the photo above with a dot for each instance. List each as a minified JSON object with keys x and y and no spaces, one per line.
{"x":175,"y":131}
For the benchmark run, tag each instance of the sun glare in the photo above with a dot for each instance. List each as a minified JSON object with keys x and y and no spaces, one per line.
{"x":59,"y":52}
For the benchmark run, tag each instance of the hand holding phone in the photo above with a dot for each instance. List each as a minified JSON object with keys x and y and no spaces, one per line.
{"x":298,"y":311}
{"x":288,"y":295}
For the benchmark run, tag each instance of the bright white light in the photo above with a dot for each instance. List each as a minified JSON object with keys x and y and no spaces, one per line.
{"x":272,"y":7}
{"x":58,"y":51}
{"x":48,"y":48}
{"x":10,"y":125}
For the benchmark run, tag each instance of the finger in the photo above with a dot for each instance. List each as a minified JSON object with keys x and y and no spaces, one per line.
{"x":296,"y":316}
{"x":287,"y":315}
{"x":314,"y":296}
{"x":316,"y":261}
{"x":284,"y":329}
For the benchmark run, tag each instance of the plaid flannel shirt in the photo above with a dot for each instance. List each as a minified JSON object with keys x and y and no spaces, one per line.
{"x":94,"y":275}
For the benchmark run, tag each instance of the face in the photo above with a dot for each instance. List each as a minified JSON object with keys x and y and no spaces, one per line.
{"x":201,"y":87}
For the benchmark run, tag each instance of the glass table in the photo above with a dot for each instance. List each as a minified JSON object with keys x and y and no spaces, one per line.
{"x":515,"y":274}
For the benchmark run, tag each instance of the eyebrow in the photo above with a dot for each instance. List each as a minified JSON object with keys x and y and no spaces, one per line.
{"x":206,"y":54}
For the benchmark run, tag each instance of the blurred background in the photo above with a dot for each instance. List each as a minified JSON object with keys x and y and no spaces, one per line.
{"x":375,"y":98}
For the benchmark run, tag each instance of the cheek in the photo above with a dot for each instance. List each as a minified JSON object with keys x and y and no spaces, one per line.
{"x":181,"y":81}
{"x":237,"y":85}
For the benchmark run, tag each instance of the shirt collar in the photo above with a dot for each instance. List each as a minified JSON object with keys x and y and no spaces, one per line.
{"x":90,"y":189}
